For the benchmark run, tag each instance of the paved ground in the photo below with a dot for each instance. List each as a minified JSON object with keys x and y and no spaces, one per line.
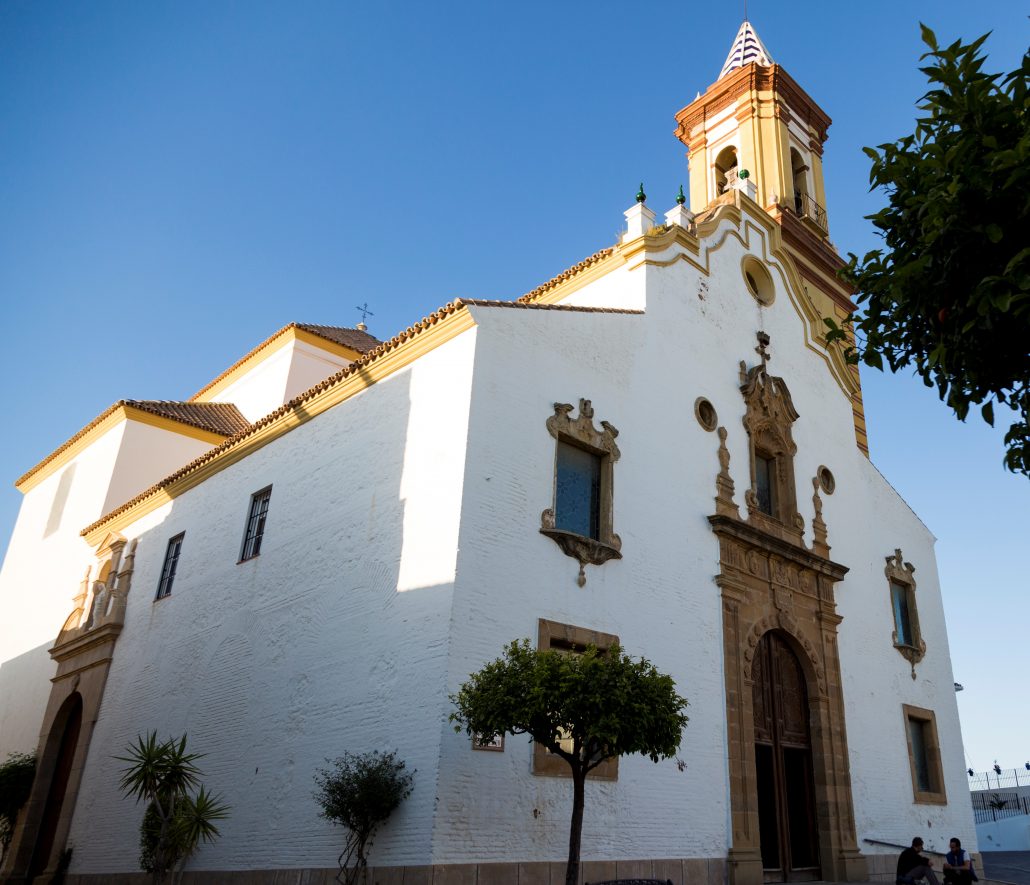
{"x":1007,"y":866}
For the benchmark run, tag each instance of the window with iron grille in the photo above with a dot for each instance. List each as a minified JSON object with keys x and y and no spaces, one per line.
{"x":164,"y":587}
{"x":255,"y":524}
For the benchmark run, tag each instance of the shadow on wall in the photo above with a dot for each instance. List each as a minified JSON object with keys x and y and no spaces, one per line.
{"x":304,"y":652}
{"x":21,"y":710}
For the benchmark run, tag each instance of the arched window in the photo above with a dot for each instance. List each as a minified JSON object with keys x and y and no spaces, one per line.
{"x":799,"y":177}
{"x":725,"y":169}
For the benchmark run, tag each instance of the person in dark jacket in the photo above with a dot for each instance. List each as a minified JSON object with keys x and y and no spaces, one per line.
{"x":912,"y":865}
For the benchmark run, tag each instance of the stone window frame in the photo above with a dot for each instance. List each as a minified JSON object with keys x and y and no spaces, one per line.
{"x":938,"y":795}
{"x":902,"y":573}
{"x":769,"y":418}
{"x":556,"y":635}
{"x":580,"y":431}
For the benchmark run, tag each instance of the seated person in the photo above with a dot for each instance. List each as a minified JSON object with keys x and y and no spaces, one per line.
{"x":958,"y":866}
{"x":913,"y":866}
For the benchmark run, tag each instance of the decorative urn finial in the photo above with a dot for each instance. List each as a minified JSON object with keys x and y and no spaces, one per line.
{"x":680,"y":197}
{"x":641,"y":196}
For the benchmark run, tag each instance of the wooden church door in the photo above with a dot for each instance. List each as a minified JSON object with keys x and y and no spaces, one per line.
{"x":783,"y":764}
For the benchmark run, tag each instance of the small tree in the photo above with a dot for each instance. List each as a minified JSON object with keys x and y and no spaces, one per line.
{"x":360,"y":791}
{"x":605,"y":703}
{"x":16,"y":776}
{"x":176,"y":821}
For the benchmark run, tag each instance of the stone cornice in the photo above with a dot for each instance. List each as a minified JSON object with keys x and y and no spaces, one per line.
{"x":755,"y":537}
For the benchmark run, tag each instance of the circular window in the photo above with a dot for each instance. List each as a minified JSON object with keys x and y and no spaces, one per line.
{"x":705,"y":413}
{"x":826,"y":480}
{"x":758,"y":281}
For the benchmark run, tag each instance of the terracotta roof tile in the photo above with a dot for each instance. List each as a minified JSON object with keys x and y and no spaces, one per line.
{"x":568,"y":274}
{"x":529,"y":305}
{"x":356,"y":339}
{"x":223,"y":418}
{"x":226,"y":420}
{"x":358,"y":365}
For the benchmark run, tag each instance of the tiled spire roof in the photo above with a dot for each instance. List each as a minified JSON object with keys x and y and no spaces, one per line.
{"x":747,"y":47}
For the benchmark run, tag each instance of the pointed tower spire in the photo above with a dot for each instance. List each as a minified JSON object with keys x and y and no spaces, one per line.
{"x":746,"y":48}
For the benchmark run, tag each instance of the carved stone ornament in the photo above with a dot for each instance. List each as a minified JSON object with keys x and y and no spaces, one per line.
{"x":900,"y":572}
{"x":769,"y":417}
{"x":581,"y":431}
{"x":103,"y":602}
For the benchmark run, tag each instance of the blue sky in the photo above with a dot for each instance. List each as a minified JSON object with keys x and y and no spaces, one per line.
{"x":178,"y":180}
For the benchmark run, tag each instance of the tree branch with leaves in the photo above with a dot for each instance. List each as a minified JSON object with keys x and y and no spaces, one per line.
{"x":949,"y":293}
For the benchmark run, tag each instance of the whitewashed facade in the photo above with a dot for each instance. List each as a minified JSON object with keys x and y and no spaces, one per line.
{"x":403,"y":548}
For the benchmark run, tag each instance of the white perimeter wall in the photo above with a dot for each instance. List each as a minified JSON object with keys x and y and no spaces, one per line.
{"x":333,"y":639}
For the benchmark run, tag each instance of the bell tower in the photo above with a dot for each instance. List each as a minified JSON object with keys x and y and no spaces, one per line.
{"x":756,"y":118}
{"x":755,"y":130}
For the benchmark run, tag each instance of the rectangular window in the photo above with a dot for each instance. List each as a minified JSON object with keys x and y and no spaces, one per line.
{"x":577,"y":498}
{"x":566,"y":639}
{"x":164,"y":587}
{"x":902,"y":616}
{"x":924,"y":754}
{"x":765,"y":483}
{"x":255,"y":524}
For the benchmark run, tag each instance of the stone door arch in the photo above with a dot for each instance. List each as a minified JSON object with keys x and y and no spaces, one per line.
{"x":56,"y":766}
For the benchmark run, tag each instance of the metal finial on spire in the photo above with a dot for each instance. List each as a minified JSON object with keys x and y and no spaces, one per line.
{"x":681,"y":197}
{"x":641,"y":196}
{"x":365,"y":314}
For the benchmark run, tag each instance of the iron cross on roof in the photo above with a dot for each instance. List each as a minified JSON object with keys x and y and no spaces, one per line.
{"x":365,"y":312}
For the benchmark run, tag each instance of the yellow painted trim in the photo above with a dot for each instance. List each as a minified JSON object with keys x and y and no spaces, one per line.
{"x":107,"y":422}
{"x":164,"y":423}
{"x":266,"y":350}
{"x":584,"y":277}
{"x":303,"y":411}
{"x":341,"y":350}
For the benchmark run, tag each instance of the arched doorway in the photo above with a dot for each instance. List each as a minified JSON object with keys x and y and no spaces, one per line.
{"x":71,"y":716}
{"x":788,"y":831}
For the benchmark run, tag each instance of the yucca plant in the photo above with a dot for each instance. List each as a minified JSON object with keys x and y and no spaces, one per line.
{"x":164,"y":775}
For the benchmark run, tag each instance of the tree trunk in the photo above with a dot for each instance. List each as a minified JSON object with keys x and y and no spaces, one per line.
{"x":576,"y":829}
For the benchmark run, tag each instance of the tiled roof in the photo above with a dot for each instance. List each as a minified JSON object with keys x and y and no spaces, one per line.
{"x":746,"y":48}
{"x":355,"y":339}
{"x":223,"y":418}
{"x":528,"y":305}
{"x":568,"y":274}
{"x":358,"y":365}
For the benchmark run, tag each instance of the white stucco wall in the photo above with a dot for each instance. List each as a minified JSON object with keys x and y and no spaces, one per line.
{"x":329,"y":641}
{"x":289,"y":370}
{"x":643,"y":375}
{"x":402,"y":551}
{"x":308,"y":366}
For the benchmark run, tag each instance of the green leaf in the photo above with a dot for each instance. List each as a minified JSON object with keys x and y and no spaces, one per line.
{"x":928,"y":36}
{"x":994,"y":233}
{"x":987,"y":411}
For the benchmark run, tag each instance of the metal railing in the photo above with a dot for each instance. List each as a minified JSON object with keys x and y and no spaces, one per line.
{"x":989,"y":807}
{"x":806,"y":207}
{"x":1000,"y":778}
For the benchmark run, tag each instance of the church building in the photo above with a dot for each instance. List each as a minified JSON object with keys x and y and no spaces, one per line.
{"x":657,"y":448}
